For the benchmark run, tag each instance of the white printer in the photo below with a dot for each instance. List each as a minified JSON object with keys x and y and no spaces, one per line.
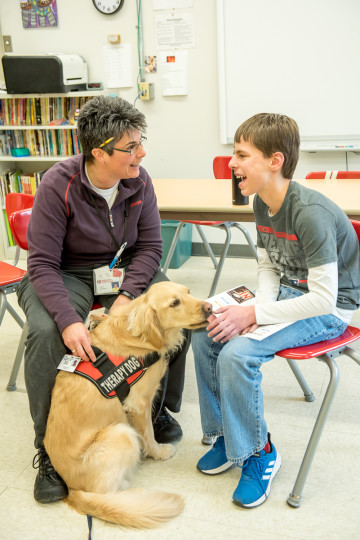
{"x":44,"y":74}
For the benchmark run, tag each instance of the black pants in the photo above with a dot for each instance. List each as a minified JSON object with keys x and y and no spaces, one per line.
{"x":45,"y":347}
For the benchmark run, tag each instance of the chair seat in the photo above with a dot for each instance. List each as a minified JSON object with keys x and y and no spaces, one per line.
{"x":317,"y":349}
{"x":10,"y":274}
{"x":212,"y":223}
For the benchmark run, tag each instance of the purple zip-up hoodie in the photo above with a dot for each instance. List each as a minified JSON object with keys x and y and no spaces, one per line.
{"x":66,"y":230}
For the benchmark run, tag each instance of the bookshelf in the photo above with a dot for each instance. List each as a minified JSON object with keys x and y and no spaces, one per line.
{"x":35,"y":122}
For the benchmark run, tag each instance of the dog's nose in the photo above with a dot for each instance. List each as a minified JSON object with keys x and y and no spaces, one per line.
{"x":207,"y":308}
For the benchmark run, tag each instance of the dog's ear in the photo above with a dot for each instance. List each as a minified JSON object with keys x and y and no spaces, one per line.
{"x":144,"y":323}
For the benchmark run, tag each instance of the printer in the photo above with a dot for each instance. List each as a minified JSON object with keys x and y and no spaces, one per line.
{"x":44,"y":74}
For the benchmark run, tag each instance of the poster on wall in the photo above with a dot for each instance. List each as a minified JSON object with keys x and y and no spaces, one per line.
{"x":175,"y":30}
{"x":39,"y":13}
{"x":174,"y":73}
{"x":117,"y":65}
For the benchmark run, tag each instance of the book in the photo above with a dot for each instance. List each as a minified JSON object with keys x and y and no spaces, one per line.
{"x":38,"y":110}
{"x":242,"y":295}
{"x":26,"y":183}
{"x":8,"y":231}
{"x":15,"y":181}
{"x":3,"y":144}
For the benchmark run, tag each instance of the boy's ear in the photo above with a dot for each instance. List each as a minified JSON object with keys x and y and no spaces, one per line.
{"x":277,"y":161}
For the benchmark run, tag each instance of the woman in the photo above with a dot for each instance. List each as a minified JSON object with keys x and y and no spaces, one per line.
{"x":91,"y":211}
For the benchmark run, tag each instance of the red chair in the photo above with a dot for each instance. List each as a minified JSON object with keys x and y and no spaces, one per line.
{"x":325,"y":351}
{"x":327,"y":175}
{"x":10,"y":278}
{"x":19,"y":222}
{"x":14,"y":202}
{"x":221,"y":170}
{"x":221,"y":167}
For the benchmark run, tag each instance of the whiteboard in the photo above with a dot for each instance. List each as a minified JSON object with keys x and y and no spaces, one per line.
{"x":299,"y":58}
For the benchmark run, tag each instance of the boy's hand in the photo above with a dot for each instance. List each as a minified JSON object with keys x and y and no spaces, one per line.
{"x":251,"y":328}
{"x":231,"y":321}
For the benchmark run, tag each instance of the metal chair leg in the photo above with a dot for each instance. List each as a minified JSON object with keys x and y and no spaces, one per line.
{"x":353,"y":354}
{"x":5,"y":306}
{"x":207,"y":245}
{"x":15,"y":316}
{"x":221,"y":260}
{"x":11,"y":386}
{"x":295,"y":496}
{"x":248,"y":238}
{"x":309,"y":396}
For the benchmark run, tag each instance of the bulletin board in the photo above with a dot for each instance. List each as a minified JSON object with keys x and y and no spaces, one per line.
{"x":296,"y":58}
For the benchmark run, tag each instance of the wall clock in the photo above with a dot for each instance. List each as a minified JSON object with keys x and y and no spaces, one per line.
{"x":108,"y":7}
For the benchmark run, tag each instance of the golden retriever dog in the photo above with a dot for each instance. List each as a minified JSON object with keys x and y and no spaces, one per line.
{"x":94,"y":442}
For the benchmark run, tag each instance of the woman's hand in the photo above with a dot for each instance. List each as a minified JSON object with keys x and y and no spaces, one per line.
{"x":120,"y":301}
{"x":231,"y":321}
{"x":77,"y":338}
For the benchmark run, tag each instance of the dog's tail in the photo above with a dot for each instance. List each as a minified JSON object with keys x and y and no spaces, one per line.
{"x":135,"y":508}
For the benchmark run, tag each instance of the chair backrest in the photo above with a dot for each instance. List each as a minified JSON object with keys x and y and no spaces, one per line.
{"x":13,"y":203}
{"x":356,"y":225}
{"x":18,"y":201}
{"x":221,"y":167}
{"x":326,"y":175}
{"x":19,"y":222}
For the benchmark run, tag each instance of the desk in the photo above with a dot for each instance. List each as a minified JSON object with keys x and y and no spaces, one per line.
{"x":202,"y":199}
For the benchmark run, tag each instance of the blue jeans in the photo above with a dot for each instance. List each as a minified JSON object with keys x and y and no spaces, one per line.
{"x":229,"y":379}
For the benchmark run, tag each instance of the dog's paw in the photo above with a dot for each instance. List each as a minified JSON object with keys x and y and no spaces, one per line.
{"x":162,"y":451}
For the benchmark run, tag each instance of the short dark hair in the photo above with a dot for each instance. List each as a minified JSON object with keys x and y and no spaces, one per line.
{"x":104,"y":117}
{"x":271,"y":133}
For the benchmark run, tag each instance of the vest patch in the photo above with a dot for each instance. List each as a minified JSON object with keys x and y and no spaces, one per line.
{"x":114,"y":375}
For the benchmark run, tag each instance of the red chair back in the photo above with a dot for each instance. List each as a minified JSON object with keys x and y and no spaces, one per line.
{"x":19,"y":222}
{"x":18,"y":201}
{"x":321,"y":175}
{"x":347,"y":174}
{"x":221,"y":167}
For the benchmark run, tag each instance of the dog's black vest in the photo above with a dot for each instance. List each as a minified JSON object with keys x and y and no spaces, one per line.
{"x":114,"y":375}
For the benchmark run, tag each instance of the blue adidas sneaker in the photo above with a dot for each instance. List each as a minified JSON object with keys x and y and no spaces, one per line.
{"x":215,"y":460}
{"x":258,"y":471}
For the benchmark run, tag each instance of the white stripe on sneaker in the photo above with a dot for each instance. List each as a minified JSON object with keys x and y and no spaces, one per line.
{"x":268,"y":470}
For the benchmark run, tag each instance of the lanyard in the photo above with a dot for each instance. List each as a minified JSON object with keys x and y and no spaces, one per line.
{"x":121,"y":246}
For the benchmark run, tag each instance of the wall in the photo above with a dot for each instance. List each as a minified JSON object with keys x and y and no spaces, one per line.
{"x":305,"y":67}
{"x":183,"y":132}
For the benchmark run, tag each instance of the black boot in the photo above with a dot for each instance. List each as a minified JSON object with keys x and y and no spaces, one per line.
{"x":49,"y":486}
{"x":166,"y":428}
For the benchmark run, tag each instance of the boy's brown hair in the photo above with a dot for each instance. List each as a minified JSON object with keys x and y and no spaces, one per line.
{"x":271,"y":133}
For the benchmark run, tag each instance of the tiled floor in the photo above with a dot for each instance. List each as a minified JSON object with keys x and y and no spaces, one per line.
{"x":329,"y":510}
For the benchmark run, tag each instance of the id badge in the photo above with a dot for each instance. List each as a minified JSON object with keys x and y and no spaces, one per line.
{"x":108,"y":281}
{"x":69,"y":363}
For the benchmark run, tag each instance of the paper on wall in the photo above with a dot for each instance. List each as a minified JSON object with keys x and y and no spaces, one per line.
{"x":172,"y":4}
{"x":173,"y":73}
{"x":117,"y":65}
{"x":175,"y":29}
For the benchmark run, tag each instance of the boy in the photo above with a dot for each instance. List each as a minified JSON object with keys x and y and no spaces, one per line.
{"x":308,"y":274}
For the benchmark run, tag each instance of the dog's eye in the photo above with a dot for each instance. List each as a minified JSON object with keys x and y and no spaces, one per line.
{"x":175,"y":303}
